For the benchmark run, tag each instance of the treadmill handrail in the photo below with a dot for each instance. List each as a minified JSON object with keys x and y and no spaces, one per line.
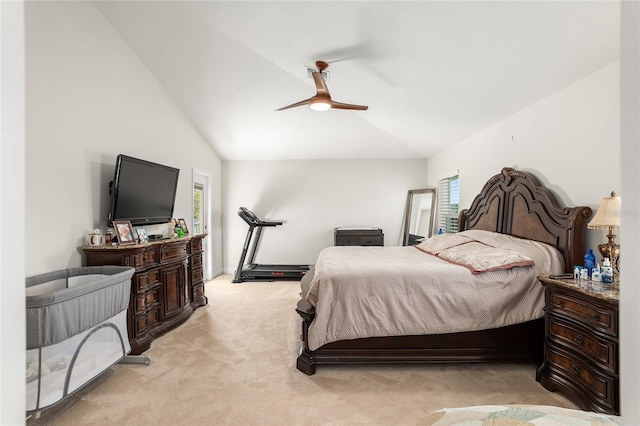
{"x":252,"y":220}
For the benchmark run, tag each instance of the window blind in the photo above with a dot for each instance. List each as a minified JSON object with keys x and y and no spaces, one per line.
{"x":447,"y":210}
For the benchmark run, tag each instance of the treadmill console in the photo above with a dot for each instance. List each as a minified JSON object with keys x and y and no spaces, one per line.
{"x":252,"y":220}
{"x":248,"y":216}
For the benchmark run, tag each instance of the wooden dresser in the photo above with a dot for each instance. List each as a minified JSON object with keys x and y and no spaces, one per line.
{"x":358,"y":236}
{"x":581,"y":348}
{"x":167,"y":286}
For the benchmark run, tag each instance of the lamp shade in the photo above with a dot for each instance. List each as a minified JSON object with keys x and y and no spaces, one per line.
{"x":608,"y":213}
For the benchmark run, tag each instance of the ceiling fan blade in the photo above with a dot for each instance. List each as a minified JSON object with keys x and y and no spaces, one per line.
{"x":297,"y":104}
{"x":321,"y":86}
{"x":362,"y":50}
{"x":340,"y":105}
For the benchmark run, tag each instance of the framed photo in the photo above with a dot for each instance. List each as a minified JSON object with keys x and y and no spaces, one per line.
{"x":124,"y":231}
{"x":142,"y":235}
{"x":183,"y":226}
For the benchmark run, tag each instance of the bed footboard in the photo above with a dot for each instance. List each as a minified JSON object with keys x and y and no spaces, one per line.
{"x":515,"y":343}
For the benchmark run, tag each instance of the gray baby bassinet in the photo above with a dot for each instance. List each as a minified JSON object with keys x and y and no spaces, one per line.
{"x":76,"y":329}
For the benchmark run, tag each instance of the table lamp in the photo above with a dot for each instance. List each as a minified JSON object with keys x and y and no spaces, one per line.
{"x":608,"y":217}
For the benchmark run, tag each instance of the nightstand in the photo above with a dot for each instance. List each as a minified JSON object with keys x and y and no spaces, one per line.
{"x":581,"y":348}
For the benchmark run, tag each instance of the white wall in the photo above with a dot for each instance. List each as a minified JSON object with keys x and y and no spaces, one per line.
{"x":570,"y":141}
{"x":313,"y":198}
{"x":12,"y":290}
{"x":630,"y":225}
{"x":90,"y":98}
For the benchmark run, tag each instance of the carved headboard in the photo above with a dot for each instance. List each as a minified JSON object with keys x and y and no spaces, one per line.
{"x":515,"y":203}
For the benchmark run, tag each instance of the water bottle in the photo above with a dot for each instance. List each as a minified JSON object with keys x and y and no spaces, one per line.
{"x":607,"y":271}
{"x":589,"y":262}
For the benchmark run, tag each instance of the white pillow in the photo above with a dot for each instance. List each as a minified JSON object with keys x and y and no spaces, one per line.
{"x":440,"y":242}
{"x":479,"y":257}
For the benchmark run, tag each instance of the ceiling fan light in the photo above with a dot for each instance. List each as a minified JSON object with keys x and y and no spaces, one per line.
{"x":320,"y":105}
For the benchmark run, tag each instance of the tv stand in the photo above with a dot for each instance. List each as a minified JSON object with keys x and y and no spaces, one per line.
{"x":167,"y":286}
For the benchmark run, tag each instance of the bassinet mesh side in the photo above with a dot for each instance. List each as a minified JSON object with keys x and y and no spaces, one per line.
{"x":56,"y":316}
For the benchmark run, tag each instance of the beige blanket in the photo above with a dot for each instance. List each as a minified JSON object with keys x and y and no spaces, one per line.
{"x":393,"y":291}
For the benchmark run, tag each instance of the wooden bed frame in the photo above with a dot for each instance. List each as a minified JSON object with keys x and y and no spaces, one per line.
{"x":511,"y":202}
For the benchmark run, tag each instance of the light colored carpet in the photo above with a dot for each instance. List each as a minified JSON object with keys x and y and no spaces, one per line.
{"x":233,"y":362}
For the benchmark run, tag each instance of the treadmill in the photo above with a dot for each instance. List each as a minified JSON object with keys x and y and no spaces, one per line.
{"x":257,"y":272}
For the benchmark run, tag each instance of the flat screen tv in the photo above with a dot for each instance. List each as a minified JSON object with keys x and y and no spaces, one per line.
{"x":142,"y":192}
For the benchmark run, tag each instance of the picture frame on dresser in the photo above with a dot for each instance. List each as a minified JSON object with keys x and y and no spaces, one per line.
{"x":124,"y":231}
{"x":142,"y":235}
{"x":183,"y":225}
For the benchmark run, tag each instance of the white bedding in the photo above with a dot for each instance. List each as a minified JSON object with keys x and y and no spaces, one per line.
{"x":393,"y":291}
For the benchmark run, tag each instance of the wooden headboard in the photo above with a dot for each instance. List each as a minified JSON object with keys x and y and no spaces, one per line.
{"x":515,"y":203}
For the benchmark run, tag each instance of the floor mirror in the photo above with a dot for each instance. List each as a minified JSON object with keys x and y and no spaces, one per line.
{"x":419,"y":215}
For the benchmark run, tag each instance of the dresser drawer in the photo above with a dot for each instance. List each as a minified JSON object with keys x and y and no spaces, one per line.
{"x":351,"y":240}
{"x":146,"y":280}
{"x":198,"y":291}
{"x":196,"y":261}
{"x":195,"y":246}
{"x":591,"y":314}
{"x":143,"y":322}
{"x":601,"y":351}
{"x":145,"y":302}
{"x":598,"y":387}
{"x":371,"y":240}
{"x":359,"y":240}
{"x":170,"y":252}
{"x":197,"y":276}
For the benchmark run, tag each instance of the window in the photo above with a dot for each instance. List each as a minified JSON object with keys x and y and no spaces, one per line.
{"x":448,"y":200}
{"x":198,"y":207}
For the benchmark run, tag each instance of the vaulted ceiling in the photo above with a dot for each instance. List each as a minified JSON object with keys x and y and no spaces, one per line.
{"x":432,"y":73}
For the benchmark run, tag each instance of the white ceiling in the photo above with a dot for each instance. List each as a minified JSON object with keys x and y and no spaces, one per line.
{"x":432,"y":73}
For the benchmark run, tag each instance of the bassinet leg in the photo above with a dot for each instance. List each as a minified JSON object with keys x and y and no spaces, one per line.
{"x":135,"y":359}
{"x":35,"y":414}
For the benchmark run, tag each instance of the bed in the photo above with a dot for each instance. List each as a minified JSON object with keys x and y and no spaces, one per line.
{"x":513,"y":206}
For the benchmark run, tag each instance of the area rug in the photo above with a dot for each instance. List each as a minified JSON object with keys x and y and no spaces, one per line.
{"x":516,"y":415}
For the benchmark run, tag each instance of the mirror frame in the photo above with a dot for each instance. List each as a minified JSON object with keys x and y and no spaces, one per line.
{"x":407,"y":212}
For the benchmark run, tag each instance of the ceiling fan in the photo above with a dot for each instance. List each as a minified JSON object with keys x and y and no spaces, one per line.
{"x":322,"y":100}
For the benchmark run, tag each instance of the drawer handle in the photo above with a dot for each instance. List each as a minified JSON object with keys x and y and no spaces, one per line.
{"x":575,"y":369}
{"x":578,"y":339}
{"x":595,"y":316}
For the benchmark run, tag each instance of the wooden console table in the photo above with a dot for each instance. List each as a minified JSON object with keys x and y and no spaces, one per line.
{"x":167,"y":286}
